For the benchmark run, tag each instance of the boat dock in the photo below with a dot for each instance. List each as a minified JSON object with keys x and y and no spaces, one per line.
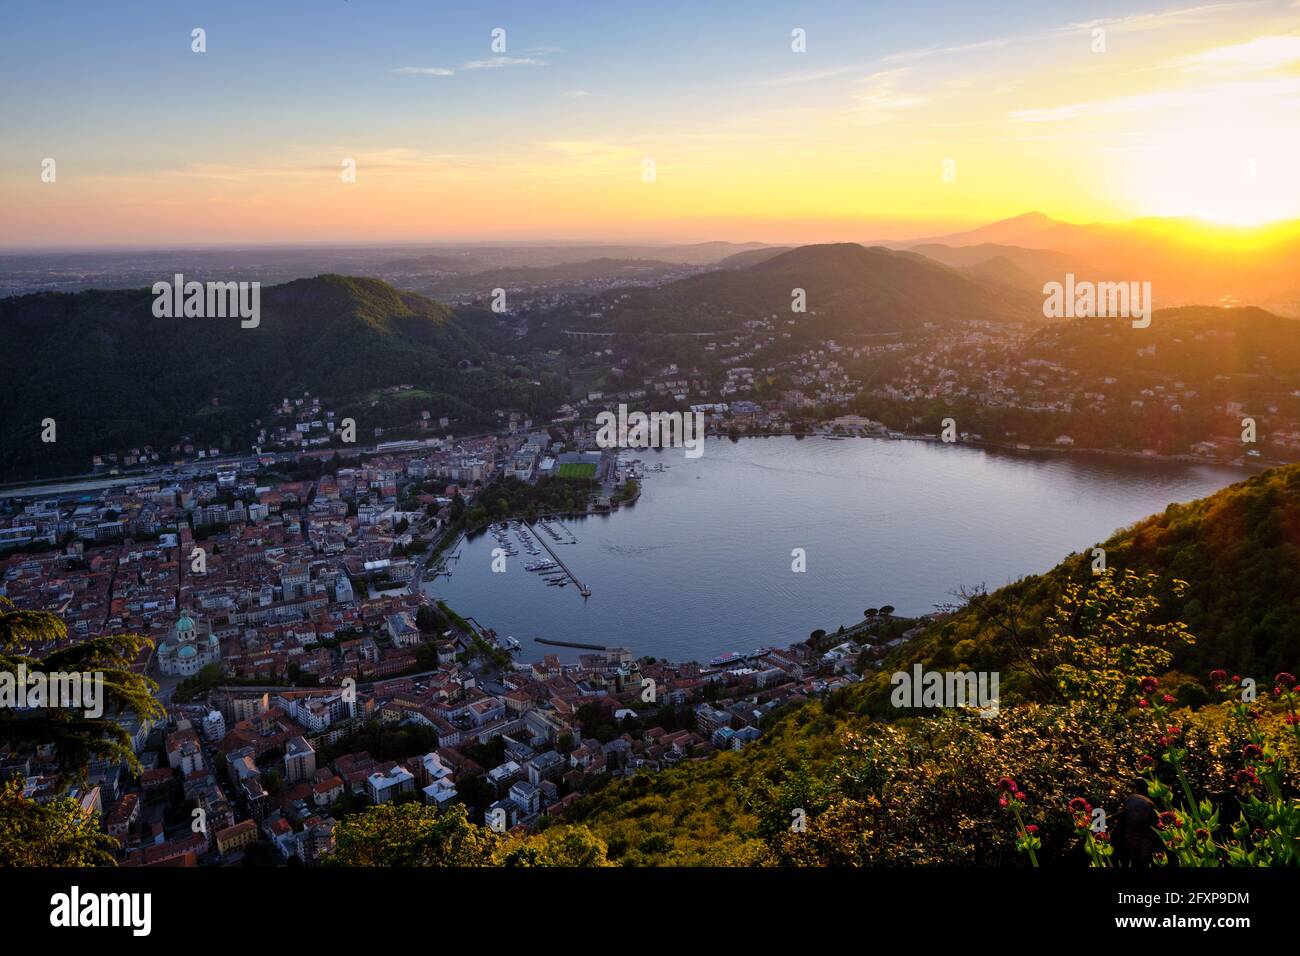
{"x":578,"y":644}
{"x":582,"y":588}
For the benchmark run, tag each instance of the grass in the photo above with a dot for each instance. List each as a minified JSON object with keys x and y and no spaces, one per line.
{"x":576,"y":469}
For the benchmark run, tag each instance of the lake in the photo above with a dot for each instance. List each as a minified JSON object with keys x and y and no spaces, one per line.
{"x":701,"y":564}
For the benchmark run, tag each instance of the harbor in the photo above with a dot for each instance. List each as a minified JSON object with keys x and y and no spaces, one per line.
{"x":582,"y":588}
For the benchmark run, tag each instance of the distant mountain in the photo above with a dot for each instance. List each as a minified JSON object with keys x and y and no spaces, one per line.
{"x":849,"y":289}
{"x":540,"y":256}
{"x":114,"y":376}
{"x":1186,"y":261}
{"x":752,"y":257}
{"x":1013,"y":231}
{"x":566,"y":277}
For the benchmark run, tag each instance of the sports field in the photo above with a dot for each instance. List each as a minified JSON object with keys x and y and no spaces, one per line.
{"x":576,"y":469}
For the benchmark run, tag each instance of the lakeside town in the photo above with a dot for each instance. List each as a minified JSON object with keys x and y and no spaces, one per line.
{"x":306,"y":674}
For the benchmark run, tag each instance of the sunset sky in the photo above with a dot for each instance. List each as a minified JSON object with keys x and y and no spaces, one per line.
{"x":1190,"y":110}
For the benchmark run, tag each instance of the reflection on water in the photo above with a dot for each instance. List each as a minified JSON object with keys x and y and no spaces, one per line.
{"x":702,"y":563}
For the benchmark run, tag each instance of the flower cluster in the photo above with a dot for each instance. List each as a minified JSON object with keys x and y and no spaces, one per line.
{"x":1013,"y":798}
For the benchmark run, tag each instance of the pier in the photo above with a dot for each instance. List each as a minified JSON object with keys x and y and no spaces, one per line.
{"x":578,"y":644}
{"x":582,"y":588}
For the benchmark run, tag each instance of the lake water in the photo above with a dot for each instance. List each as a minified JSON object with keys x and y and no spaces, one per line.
{"x":701,"y":564}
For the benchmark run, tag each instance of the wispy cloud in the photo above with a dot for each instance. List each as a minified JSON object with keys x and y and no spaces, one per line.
{"x":492,"y":63}
{"x":925,"y":52}
{"x":882,"y":92}
{"x":575,"y":94}
{"x":812,"y":76}
{"x":1190,"y":100}
{"x":1155,"y":21}
{"x":1261,"y":53}
{"x":497,"y":62}
{"x":425,"y":71}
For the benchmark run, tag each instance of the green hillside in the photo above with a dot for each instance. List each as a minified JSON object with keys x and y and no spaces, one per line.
{"x":849,"y":288}
{"x":113,"y":376}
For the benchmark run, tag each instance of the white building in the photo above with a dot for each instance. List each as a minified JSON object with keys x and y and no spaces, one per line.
{"x":190,"y":647}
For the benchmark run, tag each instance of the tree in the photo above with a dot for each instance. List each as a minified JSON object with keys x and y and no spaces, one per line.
{"x":558,"y":846}
{"x":1101,"y":640}
{"x":59,"y":833}
{"x":412,"y":834}
{"x":77,"y":737}
{"x":426,"y":618}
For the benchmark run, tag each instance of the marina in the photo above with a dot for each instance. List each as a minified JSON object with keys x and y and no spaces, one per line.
{"x":560,"y":582}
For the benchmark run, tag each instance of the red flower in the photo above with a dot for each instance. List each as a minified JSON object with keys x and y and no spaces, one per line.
{"x":1146,"y":761}
{"x":1101,"y":836}
{"x":1218,"y":675}
{"x":1143,"y":703}
{"x":1032,"y":828}
{"x":1291,"y":719}
{"x":1167,"y":819}
{"x":1251,"y":751}
{"x":1148,"y":684}
{"x":1007,"y":784}
{"x":1285,"y":678}
{"x":1168,"y":698}
{"x":1080,"y":805}
{"x":1020,"y":796}
{"x":1246,"y":778}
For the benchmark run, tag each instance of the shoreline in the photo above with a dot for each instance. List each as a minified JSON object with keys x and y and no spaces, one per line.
{"x":1256,"y":465}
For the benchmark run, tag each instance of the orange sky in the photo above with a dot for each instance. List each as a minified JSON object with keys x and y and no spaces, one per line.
{"x":1187,"y":111}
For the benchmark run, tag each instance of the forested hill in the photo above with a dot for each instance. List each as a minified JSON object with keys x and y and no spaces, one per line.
{"x":849,"y":289}
{"x":113,"y":375}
